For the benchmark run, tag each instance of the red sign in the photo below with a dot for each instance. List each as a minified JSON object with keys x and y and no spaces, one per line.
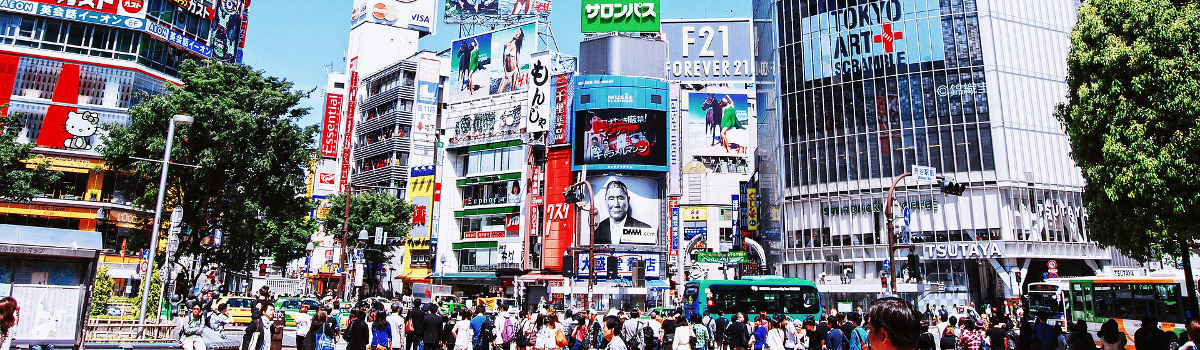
{"x":513,"y":224}
{"x":560,"y":216}
{"x":328,"y":179}
{"x":562,"y":102}
{"x":419,"y":215}
{"x":106,"y":6}
{"x":353,"y":91}
{"x":64,"y":125}
{"x":329,"y":131}
{"x":483,"y":235}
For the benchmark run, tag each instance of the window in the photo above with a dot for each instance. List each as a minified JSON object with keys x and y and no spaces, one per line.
{"x":503,"y":192}
{"x":494,"y":161}
{"x":478,"y":260}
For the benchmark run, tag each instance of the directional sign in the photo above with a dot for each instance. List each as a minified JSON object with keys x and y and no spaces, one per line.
{"x":379,"y":236}
{"x":887,"y":264}
{"x":145,"y":254}
{"x":907,"y":217}
{"x":924,"y":174}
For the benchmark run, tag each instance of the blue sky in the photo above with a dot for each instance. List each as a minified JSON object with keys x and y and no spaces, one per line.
{"x":297,"y":39}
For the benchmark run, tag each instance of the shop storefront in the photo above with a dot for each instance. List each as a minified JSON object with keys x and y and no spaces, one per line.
{"x":49,"y":271}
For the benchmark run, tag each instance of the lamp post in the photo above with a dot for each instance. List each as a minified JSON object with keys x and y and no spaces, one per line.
{"x":162,"y":189}
{"x":442,"y":266}
{"x":308,"y":251}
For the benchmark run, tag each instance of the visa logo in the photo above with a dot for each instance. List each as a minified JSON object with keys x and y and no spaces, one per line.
{"x":419,"y":18}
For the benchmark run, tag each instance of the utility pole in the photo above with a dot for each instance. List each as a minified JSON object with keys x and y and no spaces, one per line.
{"x":948,"y":186}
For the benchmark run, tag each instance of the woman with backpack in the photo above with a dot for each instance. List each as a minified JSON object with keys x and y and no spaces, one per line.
{"x":549,"y":335}
{"x":579,"y":336}
{"x":321,"y":334}
{"x":949,"y":340}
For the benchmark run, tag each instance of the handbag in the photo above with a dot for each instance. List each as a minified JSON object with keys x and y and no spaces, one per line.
{"x":408,"y":327}
{"x":323,"y":341}
{"x":560,"y":339}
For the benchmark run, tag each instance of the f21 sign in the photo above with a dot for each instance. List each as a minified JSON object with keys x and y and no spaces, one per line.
{"x":711,"y":50}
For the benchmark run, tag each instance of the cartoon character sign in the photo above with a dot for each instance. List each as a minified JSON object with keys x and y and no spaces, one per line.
{"x":81,"y":126}
{"x":227,"y":31}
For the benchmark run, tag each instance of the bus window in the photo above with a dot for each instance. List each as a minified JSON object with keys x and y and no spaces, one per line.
{"x":1103,"y":296}
{"x":1123,"y":300}
{"x":1143,"y":300}
{"x":1169,"y":307}
{"x":1080,"y":297}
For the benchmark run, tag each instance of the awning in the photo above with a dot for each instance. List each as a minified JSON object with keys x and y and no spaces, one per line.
{"x":120,"y":273}
{"x":45,"y":241}
{"x":657,"y":284}
{"x":468,"y":278}
{"x":537,"y":277}
{"x":415,"y":278}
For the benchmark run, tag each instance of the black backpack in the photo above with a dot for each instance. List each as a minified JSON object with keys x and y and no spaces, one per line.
{"x":521,"y":338}
{"x":649,"y":338}
{"x":448,"y":333}
{"x":487,"y":333}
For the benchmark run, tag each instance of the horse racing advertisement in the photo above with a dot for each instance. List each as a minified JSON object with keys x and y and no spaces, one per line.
{"x":719,"y":124}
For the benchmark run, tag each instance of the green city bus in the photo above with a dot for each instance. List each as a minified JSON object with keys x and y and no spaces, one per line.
{"x":750,"y":295}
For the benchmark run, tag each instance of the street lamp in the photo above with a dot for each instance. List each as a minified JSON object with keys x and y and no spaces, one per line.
{"x":308,"y":250}
{"x":162,"y":189}
{"x":442,"y":266}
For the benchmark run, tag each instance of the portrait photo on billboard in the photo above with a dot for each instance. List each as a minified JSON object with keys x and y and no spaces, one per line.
{"x":497,"y":7}
{"x":621,"y":139}
{"x":628,"y":209}
{"x":492,"y":63}
{"x":719,"y":124}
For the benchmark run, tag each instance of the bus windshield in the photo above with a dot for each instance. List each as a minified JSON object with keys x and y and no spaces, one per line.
{"x":772,"y":299}
{"x":1044,"y":302}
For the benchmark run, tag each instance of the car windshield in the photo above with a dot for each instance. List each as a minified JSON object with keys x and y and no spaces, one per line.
{"x":290,"y":304}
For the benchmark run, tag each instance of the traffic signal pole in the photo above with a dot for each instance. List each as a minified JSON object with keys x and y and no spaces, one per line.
{"x":891,"y":227}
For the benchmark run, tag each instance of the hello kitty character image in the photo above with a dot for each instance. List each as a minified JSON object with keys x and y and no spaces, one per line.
{"x":81,"y":126}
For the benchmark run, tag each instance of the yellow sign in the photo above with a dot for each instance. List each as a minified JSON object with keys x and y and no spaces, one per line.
{"x":752,"y":209}
{"x":67,"y":164}
{"x":694,"y":213}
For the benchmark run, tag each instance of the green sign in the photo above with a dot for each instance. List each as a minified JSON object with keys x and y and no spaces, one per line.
{"x":734,"y":257}
{"x":628,"y":16}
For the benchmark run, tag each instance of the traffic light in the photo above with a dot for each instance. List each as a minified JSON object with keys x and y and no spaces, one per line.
{"x":568,"y":265}
{"x":949,"y":186}
{"x":639,"y":273}
{"x":914,"y":266}
{"x":611,"y":266}
{"x":883,"y":281}
{"x":262,"y":269}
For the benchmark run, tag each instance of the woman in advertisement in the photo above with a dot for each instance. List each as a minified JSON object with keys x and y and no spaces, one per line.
{"x":728,"y":120}
{"x":468,"y":63}
{"x":512,"y":62}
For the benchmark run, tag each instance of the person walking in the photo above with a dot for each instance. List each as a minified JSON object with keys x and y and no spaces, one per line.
{"x":10,"y":315}
{"x":477,"y":331}
{"x":191,"y":337}
{"x":776,"y":338}
{"x":684,"y":336}
{"x":632,"y":331}
{"x":258,"y":333}
{"x":549,"y":335}
{"x":1193,"y":334}
{"x":997,"y":336}
{"x":970,"y":338}
{"x":464,"y":331}
{"x":812,"y":339}
{"x":759,"y":339}
{"x":414,"y":327}
{"x":357,"y":334}
{"x":381,"y":331}
{"x":834,"y":338}
{"x":1079,"y":339}
{"x":432,"y":331}
{"x":396,"y":327}
{"x":320,"y":328}
{"x":1111,"y":337}
{"x":719,"y":337}
{"x":1149,"y":336}
{"x":858,"y":335}
{"x":949,"y":341}
{"x":303,"y":321}
{"x":894,"y":324}
{"x":737,"y":335}
{"x":612,"y":333}
{"x":925,"y":342}
{"x":219,"y":318}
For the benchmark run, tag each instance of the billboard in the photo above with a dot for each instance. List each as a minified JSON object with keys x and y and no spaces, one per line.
{"x":541,"y":96}
{"x":719,"y":124}
{"x":560,"y":218}
{"x":894,"y":40}
{"x":497,"y":7}
{"x":710,"y":50}
{"x":125,"y":8}
{"x":425,"y":109}
{"x":409,"y":14}
{"x":492,"y":63}
{"x":629,"y":210}
{"x":227,"y":31}
{"x":129,"y":16}
{"x":628,"y":16}
{"x":485,"y":126}
{"x":653,"y":262}
{"x":420,"y":195}
{"x":560,"y":134}
{"x":620,"y":124}
{"x":329,"y":127}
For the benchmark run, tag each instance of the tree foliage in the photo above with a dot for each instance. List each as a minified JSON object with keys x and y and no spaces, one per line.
{"x":102,"y":291}
{"x":251,"y":154}
{"x":368,"y":211}
{"x":155,"y":301}
{"x":1133,"y":117}
{"x":20,"y":183}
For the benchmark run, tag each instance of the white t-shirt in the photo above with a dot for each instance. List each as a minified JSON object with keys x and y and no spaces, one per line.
{"x":463,"y":334}
{"x":396,"y":322}
{"x":303,"y":322}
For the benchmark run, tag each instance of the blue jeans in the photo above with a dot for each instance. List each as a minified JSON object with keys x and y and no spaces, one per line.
{"x":42,"y":347}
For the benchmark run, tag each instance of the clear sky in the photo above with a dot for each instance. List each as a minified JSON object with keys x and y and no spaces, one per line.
{"x":298,"y":39}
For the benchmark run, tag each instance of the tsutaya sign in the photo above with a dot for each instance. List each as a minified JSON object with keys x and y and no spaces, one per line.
{"x":963,"y":250}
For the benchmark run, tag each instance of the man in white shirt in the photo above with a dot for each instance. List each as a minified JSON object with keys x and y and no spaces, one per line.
{"x":303,"y":323}
{"x":396,"y":323}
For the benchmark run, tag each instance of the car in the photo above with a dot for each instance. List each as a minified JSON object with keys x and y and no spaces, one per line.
{"x":291,"y":306}
{"x":239,"y":308}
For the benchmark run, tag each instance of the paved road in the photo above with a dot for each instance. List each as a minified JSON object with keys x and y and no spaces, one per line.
{"x":289,"y":337}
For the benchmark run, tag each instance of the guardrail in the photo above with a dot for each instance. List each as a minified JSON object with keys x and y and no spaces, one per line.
{"x":127,"y":331}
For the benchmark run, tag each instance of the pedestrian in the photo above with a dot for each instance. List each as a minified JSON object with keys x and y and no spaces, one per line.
{"x":525,"y":330}
{"x":949,"y":341}
{"x":414,"y":327}
{"x":464,"y":331}
{"x":320,"y":334}
{"x":508,"y":329}
{"x":632,"y":331}
{"x":776,"y":338}
{"x":894,"y":324}
{"x":258,"y":333}
{"x":1025,"y":337}
{"x":811,"y":339}
{"x":10,"y":315}
{"x":612,"y":333}
{"x":303,"y":321}
{"x":477,"y":323}
{"x":432,"y":335}
{"x":971,"y":339}
{"x":357,"y":333}
{"x":997,"y":336}
{"x":858,"y":334}
{"x":1149,"y":336}
{"x":547,"y":335}
{"x":1193,"y":334}
{"x":219,"y":318}
{"x":925,"y":342}
{"x":834,"y":338}
{"x":668,"y":326}
{"x":759,"y":339}
{"x":737,"y":335}
{"x":1111,"y":337}
{"x":719,"y":337}
{"x":191,"y":337}
{"x":381,"y":331}
{"x":1080,"y":339}
{"x":701,"y":334}
{"x":396,"y":326}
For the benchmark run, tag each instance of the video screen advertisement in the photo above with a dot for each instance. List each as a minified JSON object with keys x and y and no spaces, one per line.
{"x":629,"y":210}
{"x":497,"y":7}
{"x":492,"y":63}
{"x":620,"y":123}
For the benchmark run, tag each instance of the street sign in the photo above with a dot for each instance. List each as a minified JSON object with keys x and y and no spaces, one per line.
{"x":887,"y":264}
{"x":142,"y":267}
{"x":924,"y":174}
{"x":907,"y":217}
{"x":1052,"y":264}
{"x":379,"y":236}
{"x":145,"y":254}
{"x":734,"y":257}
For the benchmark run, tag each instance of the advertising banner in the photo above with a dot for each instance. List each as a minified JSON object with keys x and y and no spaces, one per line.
{"x":541,"y":96}
{"x":752,"y":209}
{"x":560,"y":132}
{"x":719,"y":125}
{"x":734,"y":257}
{"x":627,"y":16}
{"x":710,"y":50}
{"x":326,"y":180}
{"x":653,"y":263}
{"x":870,"y":38}
{"x":329,"y":128}
{"x":420,"y":194}
{"x":497,"y":7}
{"x":560,"y":216}
{"x":695,"y":214}
{"x":352,"y":92}
{"x":621,"y":139}
{"x":409,"y":14}
{"x":692,"y":232}
{"x":629,"y":210}
{"x":673,"y":208}
{"x":484,"y":127}
{"x":178,"y":39}
{"x":202,"y":8}
{"x":425,"y":108}
{"x":227,"y":31}
{"x":492,"y":63}
{"x":82,"y":11}
{"x":124,"y":8}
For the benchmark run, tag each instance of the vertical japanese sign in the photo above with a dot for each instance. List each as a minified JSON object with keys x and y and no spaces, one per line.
{"x":673,"y":206}
{"x":352,"y":95}
{"x":329,"y":131}
{"x":674,"y":187}
{"x":540,"y":96}
{"x":425,"y":110}
{"x":752,"y":209}
{"x":737,"y":241}
{"x":562,"y":100}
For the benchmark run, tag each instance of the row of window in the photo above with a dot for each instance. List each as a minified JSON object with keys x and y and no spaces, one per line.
{"x":473,"y":260}
{"x":90,"y":39}
{"x":493,"y":161}
{"x":383,"y":160}
{"x":391,"y":81}
{"x":192,"y":25}
{"x":384,"y":134}
{"x":1129,"y":301}
{"x":505,"y":192}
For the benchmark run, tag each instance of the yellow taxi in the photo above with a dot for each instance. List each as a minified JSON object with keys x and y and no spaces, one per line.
{"x":239,"y":308}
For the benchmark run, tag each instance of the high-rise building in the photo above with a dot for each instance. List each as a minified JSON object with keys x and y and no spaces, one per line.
{"x":66,"y":67}
{"x":868,"y":90}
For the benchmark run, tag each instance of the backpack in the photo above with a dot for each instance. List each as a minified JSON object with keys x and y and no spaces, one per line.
{"x":506,"y":334}
{"x":448,"y":333}
{"x":649,"y":338}
{"x":521,"y":337}
{"x":487,"y":332}
{"x":323,"y":341}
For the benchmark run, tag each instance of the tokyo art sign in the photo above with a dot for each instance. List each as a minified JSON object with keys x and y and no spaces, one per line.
{"x":878,"y":35}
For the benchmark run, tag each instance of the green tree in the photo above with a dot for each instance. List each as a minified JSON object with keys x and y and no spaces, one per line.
{"x":102,"y":291}
{"x":1132,"y":117}
{"x":152,"y":305}
{"x":20,"y":182}
{"x":367,"y":211}
{"x":251,"y":156}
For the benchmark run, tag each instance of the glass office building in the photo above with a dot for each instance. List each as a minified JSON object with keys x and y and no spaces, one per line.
{"x":868,"y":89}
